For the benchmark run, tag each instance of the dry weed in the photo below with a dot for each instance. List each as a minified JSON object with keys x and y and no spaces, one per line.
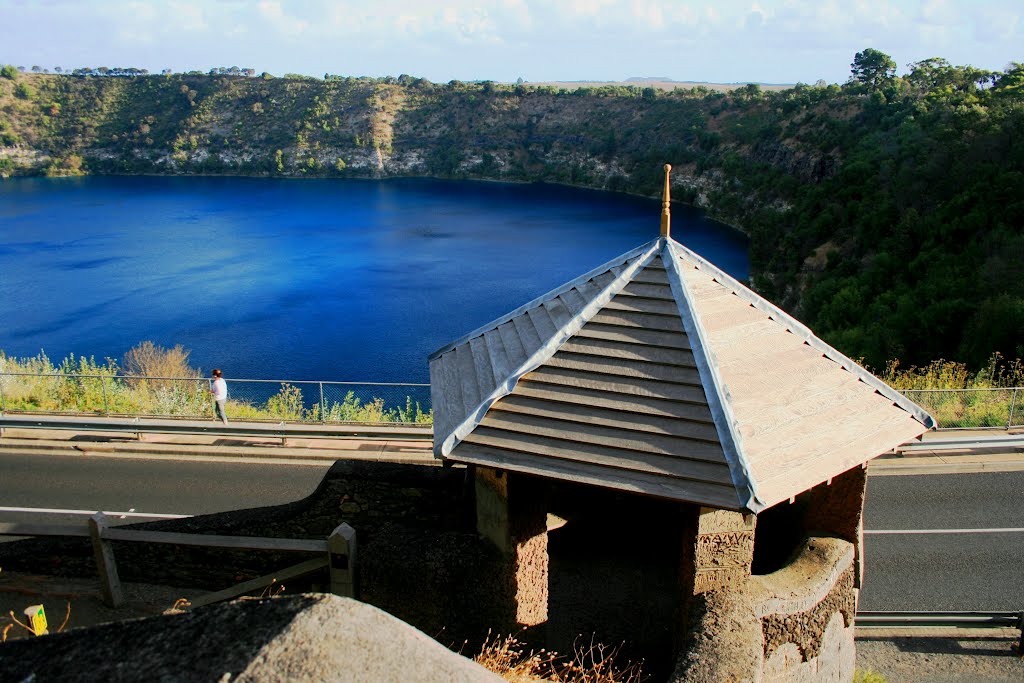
{"x":590,"y":663}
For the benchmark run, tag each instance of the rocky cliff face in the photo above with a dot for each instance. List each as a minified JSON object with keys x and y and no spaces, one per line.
{"x":612,"y":138}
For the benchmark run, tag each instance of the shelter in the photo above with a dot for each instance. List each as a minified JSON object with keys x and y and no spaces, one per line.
{"x":659,"y":375}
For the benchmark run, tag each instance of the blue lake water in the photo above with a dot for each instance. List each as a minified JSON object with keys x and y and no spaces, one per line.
{"x":302,"y":279}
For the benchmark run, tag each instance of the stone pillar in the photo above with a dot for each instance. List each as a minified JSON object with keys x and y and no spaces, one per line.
{"x":718,"y":549}
{"x":837,"y":509}
{"x":511,"y":511}
{"x":722,"y":551}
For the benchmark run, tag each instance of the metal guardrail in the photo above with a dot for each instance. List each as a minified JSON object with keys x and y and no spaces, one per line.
{"x":1007,"y":620}
{"x":279,"y":430}
{"x":869,"y":619}
{"x":964,"y":444}
{"x":320,"y":402}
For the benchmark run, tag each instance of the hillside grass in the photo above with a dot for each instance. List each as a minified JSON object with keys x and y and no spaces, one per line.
{"x":159,"y":382}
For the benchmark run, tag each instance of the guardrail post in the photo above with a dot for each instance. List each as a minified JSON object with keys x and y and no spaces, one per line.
{"x":1020,"y":643}
{"x":341,"y":558}
{"x":110,"y":584}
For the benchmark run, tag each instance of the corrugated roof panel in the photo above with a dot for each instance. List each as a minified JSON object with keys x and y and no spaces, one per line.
{"x":574,"y":408}
{"x":626,"y":368}
{"x":649,"y":291}
{"x":623,"y":461}
{"x":645,"y":321}
{"x":513,"y":344}
{"x":634,"y":335}
{"x":482,"y":366}
{"x":629,"y":351}
{"x":619,"y":384}
{"x":626,"y":403}
{"x":501,"y":364}
{"x":624,"y":449}
{"x":704,"y":493}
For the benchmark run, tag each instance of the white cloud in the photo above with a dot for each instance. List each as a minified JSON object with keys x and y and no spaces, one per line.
{"x":273,"y":12}
{"x":735,"y":40}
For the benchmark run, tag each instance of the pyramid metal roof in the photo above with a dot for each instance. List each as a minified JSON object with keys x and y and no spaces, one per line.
{"x":659,"y":373}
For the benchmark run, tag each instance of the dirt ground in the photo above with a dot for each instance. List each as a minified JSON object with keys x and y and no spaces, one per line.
{"x":947,"y":656}
{"x":19,"y":591}
{"x":967,"y":656}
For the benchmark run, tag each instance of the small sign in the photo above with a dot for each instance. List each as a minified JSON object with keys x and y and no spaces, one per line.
{"x":37,"y":617}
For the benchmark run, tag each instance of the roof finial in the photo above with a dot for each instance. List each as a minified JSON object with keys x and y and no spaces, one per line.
{"x":666,"y":203}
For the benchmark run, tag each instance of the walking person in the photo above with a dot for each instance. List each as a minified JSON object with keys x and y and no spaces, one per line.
{"x":219,"y":389}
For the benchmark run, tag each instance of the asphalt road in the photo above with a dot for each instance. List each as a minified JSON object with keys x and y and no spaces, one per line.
{"x":905,"y":571}
{"x":945,"y":571}
{"x":155,"y":486}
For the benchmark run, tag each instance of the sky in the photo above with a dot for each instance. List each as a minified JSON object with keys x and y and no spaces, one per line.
{"x":728,"y":41}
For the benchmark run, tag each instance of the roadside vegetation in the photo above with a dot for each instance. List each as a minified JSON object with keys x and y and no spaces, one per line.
{"x":884,"y":212}
{"x":958,"y":397}
{"x":155,"y":381}
{"x":159,"y":382}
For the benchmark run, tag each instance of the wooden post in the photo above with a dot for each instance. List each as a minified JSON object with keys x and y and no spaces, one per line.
{"x":1020,"y":644}
{"x":666,"y":204}
{"x":341,"y":558}
{"x":110,"y":584}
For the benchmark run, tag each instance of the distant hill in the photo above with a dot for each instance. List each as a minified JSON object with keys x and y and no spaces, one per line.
{"x":887,"y":213}
{"x":659,"y":83}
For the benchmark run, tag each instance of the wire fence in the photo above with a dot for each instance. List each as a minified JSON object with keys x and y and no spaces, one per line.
{"x":368,"y":402}
{"x":972,"y":408}
{"x":188,"y":397}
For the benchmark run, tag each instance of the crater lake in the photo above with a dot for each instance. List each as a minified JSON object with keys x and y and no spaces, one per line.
{"x":347,"y":280}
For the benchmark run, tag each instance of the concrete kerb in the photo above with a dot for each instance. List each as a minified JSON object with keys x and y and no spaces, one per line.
{"x":965,"y":461}
{"x":412,"y":451}
{"x":184,"y":446}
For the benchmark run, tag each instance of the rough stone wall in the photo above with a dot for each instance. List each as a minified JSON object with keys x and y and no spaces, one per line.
{"x":419,"y":555}
{"x":804,"y":628}
{"x":793,"y":625}
{"x":837,"y":509}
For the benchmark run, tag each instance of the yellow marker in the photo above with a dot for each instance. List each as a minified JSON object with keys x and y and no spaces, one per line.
{"x":37,"y":617}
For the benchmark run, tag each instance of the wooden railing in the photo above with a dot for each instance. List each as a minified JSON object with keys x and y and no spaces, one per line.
{"x":338,"y":555}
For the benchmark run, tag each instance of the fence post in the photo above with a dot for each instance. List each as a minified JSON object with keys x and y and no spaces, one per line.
{"x":110,"y":584}
{"x":341,"y":558}
{"x":1013,"y":404}
{"x":323,"y":406}
{"x":3,"y":399}
{"x":103,"y":386}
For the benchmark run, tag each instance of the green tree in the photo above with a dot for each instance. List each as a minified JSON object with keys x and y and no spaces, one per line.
{"x":9,"y":71}
{"x":872,"y":68}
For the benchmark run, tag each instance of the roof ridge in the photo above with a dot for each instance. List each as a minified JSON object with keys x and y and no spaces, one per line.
{"x":716,"y":392}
